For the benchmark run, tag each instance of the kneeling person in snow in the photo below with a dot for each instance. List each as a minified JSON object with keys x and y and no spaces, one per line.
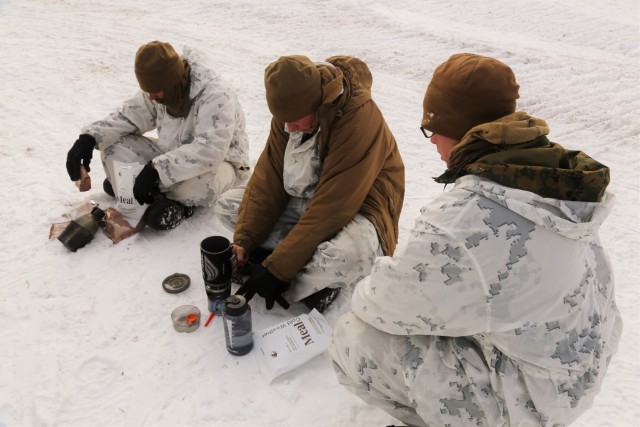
{"x":327,"y":190}
{"x":202,"y":147}
{"x":501,"y":310}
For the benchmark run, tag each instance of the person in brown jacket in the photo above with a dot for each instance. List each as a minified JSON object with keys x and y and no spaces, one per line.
{"x":326,"y":193}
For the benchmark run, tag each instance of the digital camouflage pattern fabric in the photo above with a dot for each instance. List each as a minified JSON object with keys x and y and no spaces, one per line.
{"x":500,"y":311}
{"x":514,"y":151}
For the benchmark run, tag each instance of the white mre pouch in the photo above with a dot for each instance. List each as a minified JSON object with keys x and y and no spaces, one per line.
{"x":290,"y":344}
{"x":125,"y":175}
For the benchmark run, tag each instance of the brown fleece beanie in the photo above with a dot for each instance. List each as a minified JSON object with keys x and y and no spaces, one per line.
{"x":467,"y":90}
{"x":294,"y":87}
{"x":158,"y":67}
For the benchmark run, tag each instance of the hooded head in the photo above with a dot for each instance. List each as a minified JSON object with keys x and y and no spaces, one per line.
{"x":293,"y":87}
{"x":158,"y":67}
{"x":467,"y":90}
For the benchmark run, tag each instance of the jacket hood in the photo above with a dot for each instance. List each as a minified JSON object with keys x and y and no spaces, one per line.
{"x":347,"y":76}
{"x":571,"y":219}
{"x":514,"y":151}
{"x":201,"y":72}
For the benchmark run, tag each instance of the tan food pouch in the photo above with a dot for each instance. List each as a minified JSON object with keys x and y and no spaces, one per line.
{"x":114,"y":225}
{"x":117,"y":228}
{"x":84,"y":183}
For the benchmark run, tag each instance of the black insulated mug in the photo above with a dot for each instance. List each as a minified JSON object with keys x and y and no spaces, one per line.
{"x":217,"y":267}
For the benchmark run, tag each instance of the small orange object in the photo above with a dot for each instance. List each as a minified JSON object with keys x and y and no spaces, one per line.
{"x":209,"y":319}
{"x":192,"y":318}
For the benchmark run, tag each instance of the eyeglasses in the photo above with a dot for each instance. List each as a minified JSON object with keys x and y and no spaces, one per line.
{"x":426,"y":133}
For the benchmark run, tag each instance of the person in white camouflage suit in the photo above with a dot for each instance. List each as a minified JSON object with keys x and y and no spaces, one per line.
{"x":500,"y":310}
{"x":202,"y":147}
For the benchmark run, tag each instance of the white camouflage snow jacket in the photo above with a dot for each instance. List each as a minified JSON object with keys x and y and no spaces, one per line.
{"x":508,"y":300}
{"x":212,"y":132}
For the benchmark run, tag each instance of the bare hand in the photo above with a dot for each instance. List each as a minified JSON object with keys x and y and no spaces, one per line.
{"x":241,"y":254}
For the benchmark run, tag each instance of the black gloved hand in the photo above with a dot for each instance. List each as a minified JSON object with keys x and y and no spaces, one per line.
{"x":266,"y":285}
{"x":82,"y":151}
{"x":146,"y":184}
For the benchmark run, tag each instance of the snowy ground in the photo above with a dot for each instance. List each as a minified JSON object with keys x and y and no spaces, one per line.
{"x":86,"y":337}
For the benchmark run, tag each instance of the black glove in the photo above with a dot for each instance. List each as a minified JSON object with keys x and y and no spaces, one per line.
{"x":266,"y":285}
{"x":146,"y":184}
{"x":82,"y":151}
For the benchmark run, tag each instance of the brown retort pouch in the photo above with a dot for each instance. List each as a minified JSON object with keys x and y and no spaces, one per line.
{"x":75,"y":212}
{"x":84,"y":183}
{"x":113,"y":225}
{"x":117,"y":228}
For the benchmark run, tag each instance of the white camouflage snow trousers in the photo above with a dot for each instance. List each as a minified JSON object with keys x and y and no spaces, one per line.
{"x":340,"y":262}
{"x":371,"y":364}
{"x":422,"y":380}
{"x":201,"y":190}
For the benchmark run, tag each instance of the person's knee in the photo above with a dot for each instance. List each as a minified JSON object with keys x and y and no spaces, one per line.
{"x":192,"y":192}
{"x":227,"y":205}
{"x":340,"y":337}
{"x":229,"y":201}
{"x":339,"y":346}
{"x":356,"y":244}
{"x":345,"y":259}
{"x":205,"y":189}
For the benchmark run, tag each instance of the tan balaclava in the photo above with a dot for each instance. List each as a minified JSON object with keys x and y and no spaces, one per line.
{"x":293,"y":87}
{"x":159,"y":68}
{"x":467,"y":90}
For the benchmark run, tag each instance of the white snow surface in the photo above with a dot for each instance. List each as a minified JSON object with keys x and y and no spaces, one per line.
{"x":86,"y":338}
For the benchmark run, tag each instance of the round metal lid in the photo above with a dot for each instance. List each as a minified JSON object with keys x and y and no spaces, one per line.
{"x":175,"y":283}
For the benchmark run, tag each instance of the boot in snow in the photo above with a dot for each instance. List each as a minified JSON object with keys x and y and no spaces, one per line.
{"x":321,"y":299}
{"x":166,"y":214}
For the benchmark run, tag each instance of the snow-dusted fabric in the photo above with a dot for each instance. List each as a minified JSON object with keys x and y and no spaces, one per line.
{"x":302,"y":165}
{"x":341,"y":261}
{"x":212,"y":132}
{"x":505,"y":303}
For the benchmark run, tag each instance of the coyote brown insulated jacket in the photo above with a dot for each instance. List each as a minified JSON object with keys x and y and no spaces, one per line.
{"x":362,"y":172}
